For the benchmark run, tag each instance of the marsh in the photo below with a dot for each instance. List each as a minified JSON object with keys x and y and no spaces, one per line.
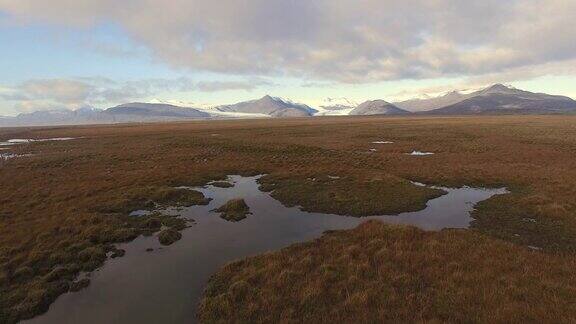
{"x":165,"y":285}
{"x":78,"y":194}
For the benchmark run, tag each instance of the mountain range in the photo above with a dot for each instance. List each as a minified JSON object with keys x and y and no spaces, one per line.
{"x":126,"y":113}
{"x":499,"y":99}
{"x":431,"y":103}
{"x":274,"y":107}
{"x":496,"y":99}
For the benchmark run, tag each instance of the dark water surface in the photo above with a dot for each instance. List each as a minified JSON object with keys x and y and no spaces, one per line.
{"x":165,"y":285}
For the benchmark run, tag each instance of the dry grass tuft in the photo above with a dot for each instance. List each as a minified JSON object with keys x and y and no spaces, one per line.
{"x":234,"y":210}
{"x":385,"y":273}
{"x":169,"y":236}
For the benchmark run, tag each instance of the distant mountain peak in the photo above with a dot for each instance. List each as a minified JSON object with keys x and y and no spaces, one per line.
{"x":154,"y":110}
{"x":500,"y":88}
{"x":500,"y":98}
{"x":377,"y":107}
{"x":272,"y":106}
{"x":428,"y":103}
{"x":378,"y":102}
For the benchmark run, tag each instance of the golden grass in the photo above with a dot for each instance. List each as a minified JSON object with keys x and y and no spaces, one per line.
{"x":73,"y":197}
{"x":395,"y":274}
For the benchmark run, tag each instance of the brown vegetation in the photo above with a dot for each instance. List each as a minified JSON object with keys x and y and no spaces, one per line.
{"x":234,"y":210}
{"x":66,"y":205}
{"x":354,"y":196}
{"x":169,"y":236}
{"x":395,"y":274}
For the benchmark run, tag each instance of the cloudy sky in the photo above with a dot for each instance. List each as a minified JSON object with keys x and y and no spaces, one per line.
{"x":71,"y":53}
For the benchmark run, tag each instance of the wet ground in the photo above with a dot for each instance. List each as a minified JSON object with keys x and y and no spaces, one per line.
{"x":6,"y":146}
{"x":165,"y":285}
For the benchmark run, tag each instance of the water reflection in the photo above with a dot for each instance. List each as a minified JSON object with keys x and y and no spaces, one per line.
{"x":164,"y":286}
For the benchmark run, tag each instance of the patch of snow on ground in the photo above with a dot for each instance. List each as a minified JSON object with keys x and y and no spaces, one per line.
{"x":232,"y":114}
{"x":382,"y":142}
{"x":17,"y":141}
{"x":8,"y":156}
{"x":418,"y":153}
{"x":54,"y":139}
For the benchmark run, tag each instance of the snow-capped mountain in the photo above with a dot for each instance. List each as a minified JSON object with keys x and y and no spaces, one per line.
{"x":272,"y":106}
{"x":336,"y":107}
{"x":378,"y":107}
{"x":427,"y":103}
{"x":496,"y":99}
{"x":499,"y":98}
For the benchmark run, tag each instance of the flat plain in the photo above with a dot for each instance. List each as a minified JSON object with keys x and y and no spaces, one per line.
{"x":66,"y":203}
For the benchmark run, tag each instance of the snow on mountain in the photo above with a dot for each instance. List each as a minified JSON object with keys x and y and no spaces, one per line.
{"x":378,"y":107}
{"x":271,"y":106}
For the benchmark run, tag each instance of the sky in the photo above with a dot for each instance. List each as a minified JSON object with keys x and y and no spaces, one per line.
{"x":67,"y":54}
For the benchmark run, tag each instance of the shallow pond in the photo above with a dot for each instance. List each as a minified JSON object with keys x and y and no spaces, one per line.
{"x":165,"y":285}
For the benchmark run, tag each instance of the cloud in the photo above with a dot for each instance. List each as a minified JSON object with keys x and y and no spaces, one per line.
{"x":247,"y":85}
{"x":339,"y":40}
{"x":48,"y":94}
{"x":43,"y":94}
{"x":65,"y":91}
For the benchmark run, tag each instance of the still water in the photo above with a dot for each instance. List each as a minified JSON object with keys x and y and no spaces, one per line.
{"x":165,"y":285}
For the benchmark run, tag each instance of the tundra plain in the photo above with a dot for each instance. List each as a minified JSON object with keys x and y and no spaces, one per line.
{"x":64,"y":204}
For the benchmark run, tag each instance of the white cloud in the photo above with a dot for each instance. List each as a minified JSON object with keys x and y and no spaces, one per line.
{"x":340,"y":40}
{"x":47,"y":94}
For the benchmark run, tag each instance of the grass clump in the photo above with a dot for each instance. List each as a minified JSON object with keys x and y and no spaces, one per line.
{"x":169,"y":236}
{"x":79,"y":285}
{"x":387,"y":273}
{"x":362,"y":195}
{"x":234,"y":210}
{"x":172,"y":197}
{"x":150,"y":198}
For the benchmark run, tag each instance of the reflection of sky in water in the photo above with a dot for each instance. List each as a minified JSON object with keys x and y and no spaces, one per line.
{"x":165,"y":285}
